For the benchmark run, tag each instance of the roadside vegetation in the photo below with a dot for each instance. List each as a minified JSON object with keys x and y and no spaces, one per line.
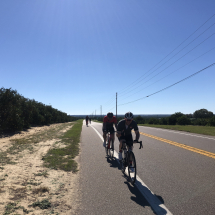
{"x":36,"y":172}
{"x":18,"y":113}
{"x":63,"y":158}
{"x":201,"y":122}
{"x":206,"y":130}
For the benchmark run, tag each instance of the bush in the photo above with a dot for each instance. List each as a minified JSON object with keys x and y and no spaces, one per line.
{"x":202,"y":122}
{"x":202,"y":114}
{"x":154,"y":121}
{"x":164,"y":121}
{"x":183,"y":120}
{"x":212,"y":121}
{"x":17,"y":112}
{"x":139,"y":120}
{"x":172,"y":120}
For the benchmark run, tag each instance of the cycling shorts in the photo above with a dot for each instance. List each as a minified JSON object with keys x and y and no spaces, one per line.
{"x":108,"y":129}
{"x":128,"y":139}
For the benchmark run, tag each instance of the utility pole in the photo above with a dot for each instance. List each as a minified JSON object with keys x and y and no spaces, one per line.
{"x":116,"y":105}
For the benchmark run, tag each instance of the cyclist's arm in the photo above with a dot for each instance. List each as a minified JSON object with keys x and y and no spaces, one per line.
{"x":104,"y":125}
{"x":137,"y":135}
{"x":119,"y":129}
{"x":118,"y":134}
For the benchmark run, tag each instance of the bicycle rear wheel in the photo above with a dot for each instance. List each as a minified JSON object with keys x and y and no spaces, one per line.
{"x":132,"y":169}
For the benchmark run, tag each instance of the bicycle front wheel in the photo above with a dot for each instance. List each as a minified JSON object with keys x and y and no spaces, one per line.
{"x":123,"y":161}
{"x":132,"y":169}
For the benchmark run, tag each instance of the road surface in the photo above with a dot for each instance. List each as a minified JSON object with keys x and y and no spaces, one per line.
{"x":176,"y":174}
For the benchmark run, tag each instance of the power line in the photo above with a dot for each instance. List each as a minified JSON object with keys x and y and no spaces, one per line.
{"x":125,"y":89}
{"x":174,"y":56}
{"x":170,"y":85}
{"x":138,"y":80}
{"x":170,"y":73}
{"x":173,"y":62}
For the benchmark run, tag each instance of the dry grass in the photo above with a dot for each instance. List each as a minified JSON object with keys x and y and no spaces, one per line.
{"x":40,"y":190}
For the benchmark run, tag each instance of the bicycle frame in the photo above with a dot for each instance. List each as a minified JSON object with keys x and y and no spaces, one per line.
{"x":129,"y":161}
{"x":109,"y":148}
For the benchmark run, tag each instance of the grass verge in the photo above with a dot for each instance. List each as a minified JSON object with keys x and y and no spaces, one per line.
{"x":207,"y":130}
{"x":63,"y":158}
{"x":18,"y":145}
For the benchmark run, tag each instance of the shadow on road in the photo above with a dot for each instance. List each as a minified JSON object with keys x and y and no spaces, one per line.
{"x":113,"y":163}
{"x":137,"y":197}
{"x":141,"y":194}
{"x":155,"y":200}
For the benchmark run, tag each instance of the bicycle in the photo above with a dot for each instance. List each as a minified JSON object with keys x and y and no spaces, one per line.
{"x":128,"y":160}
{"x":109,"y":147}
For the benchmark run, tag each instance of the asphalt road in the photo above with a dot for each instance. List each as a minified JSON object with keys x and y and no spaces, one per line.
{"x":172,"y":178}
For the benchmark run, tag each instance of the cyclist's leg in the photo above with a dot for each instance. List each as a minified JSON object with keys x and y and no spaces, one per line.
{"x":130,"y":145}
{"x":112,"y":134}
{"x":104,"y":136}
{"x":121,"y":140}
{"x":129,"y":140}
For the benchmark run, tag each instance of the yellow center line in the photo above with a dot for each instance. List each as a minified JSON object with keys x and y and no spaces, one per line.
{"x":202,"y":152}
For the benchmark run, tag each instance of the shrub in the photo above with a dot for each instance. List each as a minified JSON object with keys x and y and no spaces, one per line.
{"x":183,"y":120}
{"x":164,"y":121}
{"x":139,"y":120}
{"x":203,"y":113}
{"x":212,"y":121}
{"x":17,"y":112}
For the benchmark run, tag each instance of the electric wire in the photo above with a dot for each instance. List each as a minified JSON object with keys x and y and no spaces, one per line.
{"x":174,"y":56}
{"x":170,"y":85}
{"x":168,"y":54}
{"x":138,"y":80}
{"x":171,"y":73}
{"x":172,"y":63}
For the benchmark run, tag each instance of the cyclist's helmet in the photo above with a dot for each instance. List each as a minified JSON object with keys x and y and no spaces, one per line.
{"x":129,"y":115}
{"x":109,"y":115}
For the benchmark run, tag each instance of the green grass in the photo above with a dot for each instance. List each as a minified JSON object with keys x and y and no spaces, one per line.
{"x":63,"y":158}
{"x":207,"y":130}
{"x":12,"y":207}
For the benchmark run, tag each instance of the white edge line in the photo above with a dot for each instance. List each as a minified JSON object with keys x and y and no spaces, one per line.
{"x":163,"y":129}
{"x":156,"y":204}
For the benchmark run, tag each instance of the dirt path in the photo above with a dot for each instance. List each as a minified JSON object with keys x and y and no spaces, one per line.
{"x":26,"y":187}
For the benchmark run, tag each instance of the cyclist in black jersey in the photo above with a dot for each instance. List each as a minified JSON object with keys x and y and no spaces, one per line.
{"x":124,"y":129}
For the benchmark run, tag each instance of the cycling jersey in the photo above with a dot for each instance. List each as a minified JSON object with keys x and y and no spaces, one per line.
{"x":126,"y":129}
{"x":109,"y":122}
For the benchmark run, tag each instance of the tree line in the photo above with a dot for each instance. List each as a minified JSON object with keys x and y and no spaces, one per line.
{"x":201,"y":117}
{"x":18,"y":113}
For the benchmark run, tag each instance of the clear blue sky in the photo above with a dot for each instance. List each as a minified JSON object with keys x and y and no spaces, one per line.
{"x":76,"y":54}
